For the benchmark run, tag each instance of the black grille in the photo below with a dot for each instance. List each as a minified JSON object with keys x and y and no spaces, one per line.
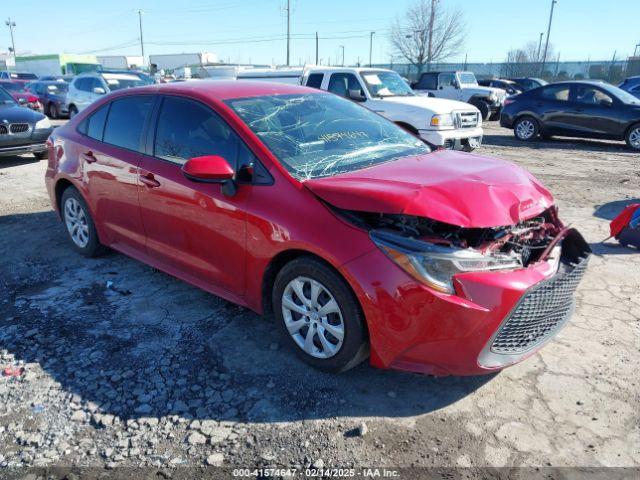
{"x":540,"y":312}
{"x":19,"y":127}
{"x":449,"y":143}
{"x":3,"y":130}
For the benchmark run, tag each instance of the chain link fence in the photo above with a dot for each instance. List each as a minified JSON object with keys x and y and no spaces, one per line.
{"x":610,"y":71}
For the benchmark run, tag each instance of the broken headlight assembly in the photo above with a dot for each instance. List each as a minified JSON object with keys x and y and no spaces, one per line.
{"x":435,"y":265}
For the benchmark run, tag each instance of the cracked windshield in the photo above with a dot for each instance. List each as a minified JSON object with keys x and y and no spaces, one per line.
{"x":318,"y":135}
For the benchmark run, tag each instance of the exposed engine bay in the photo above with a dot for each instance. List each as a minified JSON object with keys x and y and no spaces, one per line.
{"x":527,"y":241}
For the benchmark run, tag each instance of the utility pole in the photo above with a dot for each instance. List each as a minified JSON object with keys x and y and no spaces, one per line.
{"x":288,"y":30}
{"x":141,"y":39}
{"x":342,"y":47}
{"x":546,"y":45}
{"x":10,"y":23}
{"x":317,"y":48}
{"x":371,"y":46}
{"x":539,"y":47}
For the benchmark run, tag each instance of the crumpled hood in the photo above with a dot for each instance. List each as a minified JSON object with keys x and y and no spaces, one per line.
{"x":460,"y":189}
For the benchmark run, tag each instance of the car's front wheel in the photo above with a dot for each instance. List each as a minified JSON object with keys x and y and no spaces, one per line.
{"x":79,"y":224}
{"x":526,"y":128}
{"x":485,"y":109}
{"x":53,"y":111}
{"x":319,"y":315}
{"x":73,"y":111}
{"x":633,"y":137}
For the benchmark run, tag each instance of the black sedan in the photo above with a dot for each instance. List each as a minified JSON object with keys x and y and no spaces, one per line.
{"x":22,"y":130}
{"x":511,"y":87}
{"x":529,"y":83}
{"x":574,"y":109}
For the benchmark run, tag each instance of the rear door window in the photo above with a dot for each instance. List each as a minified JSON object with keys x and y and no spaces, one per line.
{"x":126,"y":120}
{"x":315,"y":80}
{"x":558,"y":93}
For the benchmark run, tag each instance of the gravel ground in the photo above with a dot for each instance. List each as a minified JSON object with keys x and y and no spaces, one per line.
{"x":121,"y":365}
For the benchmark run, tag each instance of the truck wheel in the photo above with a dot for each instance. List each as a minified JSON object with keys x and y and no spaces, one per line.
{"x":485,"y":110}
{"x":73,"y":111}
{"x":526,"y":128}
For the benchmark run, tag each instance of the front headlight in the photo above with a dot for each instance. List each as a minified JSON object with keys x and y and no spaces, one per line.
{"x":435,"y":265}
{"x":442,"y":120}
{"x":44,"y":123}
{"x":493,"y":97}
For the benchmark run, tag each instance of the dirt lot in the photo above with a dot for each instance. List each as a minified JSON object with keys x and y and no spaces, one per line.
{"x":124,"y":365}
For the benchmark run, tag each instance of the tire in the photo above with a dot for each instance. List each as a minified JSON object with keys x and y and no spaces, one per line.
{"x":495,"y":116}
{"x":40,"y":155}
{"x":485,"y":109}
{"x":53,"y":111}
{"x":73,"y":111}
{"x":72,"y":202}
{"x":633,"y":137}
{"x":526,"y":129}
{"x":334,"y":354}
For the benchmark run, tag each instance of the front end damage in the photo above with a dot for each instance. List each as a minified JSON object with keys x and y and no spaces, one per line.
{"x":497,"y":294}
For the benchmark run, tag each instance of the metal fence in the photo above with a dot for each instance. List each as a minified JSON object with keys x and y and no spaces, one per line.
{"x":611,"y":71}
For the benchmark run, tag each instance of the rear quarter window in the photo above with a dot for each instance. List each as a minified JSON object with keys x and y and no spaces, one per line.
{"x":315,"y":80}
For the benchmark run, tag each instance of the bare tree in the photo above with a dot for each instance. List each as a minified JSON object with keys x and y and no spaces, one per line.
{"x":525,"y":61}
{"x":428,"y":33}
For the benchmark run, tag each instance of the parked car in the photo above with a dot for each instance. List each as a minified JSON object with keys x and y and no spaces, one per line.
{"x":509,"y":86}
{"x":441,"y":122}
{"x":527,"y":83}
{"x":56,"y":78}
{"x":145,"y":77}
{"x":23,"y":76}
{"x":21,"y":95}
{"x":88,"y":87}
{"x":354,"y":233}
{"x":52,"y":97}
{"x":464,"y":87}
{"x":631,"y":85}
{"x":575,"y":109}
{"x":22,"y":130}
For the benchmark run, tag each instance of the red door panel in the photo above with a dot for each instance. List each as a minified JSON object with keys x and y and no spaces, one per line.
{"x":193,"y":227}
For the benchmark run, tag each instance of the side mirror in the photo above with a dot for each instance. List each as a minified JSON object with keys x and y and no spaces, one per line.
{"x":606,"y":102}
{"x":356,"y":95}
{"x":208,"y":169}
{"x":22,"y":101}
{"x":99,"y":90}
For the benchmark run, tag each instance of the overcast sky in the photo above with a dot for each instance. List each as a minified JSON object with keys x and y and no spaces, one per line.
{"x":254,"y":30}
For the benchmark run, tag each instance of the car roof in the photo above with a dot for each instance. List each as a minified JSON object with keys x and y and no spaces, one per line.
{"x":223,"y":89}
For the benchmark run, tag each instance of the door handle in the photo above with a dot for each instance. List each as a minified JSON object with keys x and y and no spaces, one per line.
{"x":149,"y":180}
{"x":88,"y":157}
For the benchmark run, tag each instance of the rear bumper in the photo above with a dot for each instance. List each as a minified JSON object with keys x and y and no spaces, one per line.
{"x":494,"y":320}
{"x":453,"y":139}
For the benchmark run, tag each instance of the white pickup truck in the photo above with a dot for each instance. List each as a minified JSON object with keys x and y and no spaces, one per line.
{"x":441,"y":123}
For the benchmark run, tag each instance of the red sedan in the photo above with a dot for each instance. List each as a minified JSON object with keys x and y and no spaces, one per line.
{"x":21,"y":95}
{"x":352,"y":232}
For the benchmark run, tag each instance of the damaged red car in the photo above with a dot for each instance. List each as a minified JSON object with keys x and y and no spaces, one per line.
{"x":359,"y":239}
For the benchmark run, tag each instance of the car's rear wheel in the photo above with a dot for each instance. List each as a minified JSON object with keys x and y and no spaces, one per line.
{"x":319,"y":315}
{"x":526,"y":128}
{"x":633,"y":137}
{"x":53,"y":111}
{"x":73,"y":111}
{"x":40,"y":155}
{"x":79,"y":224}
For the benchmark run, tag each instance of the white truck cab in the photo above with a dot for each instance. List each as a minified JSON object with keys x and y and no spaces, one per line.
{"x":439,"y":122}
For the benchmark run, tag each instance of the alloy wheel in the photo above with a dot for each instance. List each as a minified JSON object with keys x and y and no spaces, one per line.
{"x":75,"y":220}
{"x":634,"y":138}
{"x":525,"y":129}
{"x":313,"y":317}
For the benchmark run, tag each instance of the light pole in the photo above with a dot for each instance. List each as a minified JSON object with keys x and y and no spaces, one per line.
{"x":371,"y":46}
{"x":546,"y":45}
{"x":539,"y":47}
{"x":10,"y":23}
{"x":141,"y":40}
{"x":288,"y":30}
{"x":342,"y":47}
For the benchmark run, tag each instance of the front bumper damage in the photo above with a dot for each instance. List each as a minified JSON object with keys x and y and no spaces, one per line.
{"x":494,"y":319}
